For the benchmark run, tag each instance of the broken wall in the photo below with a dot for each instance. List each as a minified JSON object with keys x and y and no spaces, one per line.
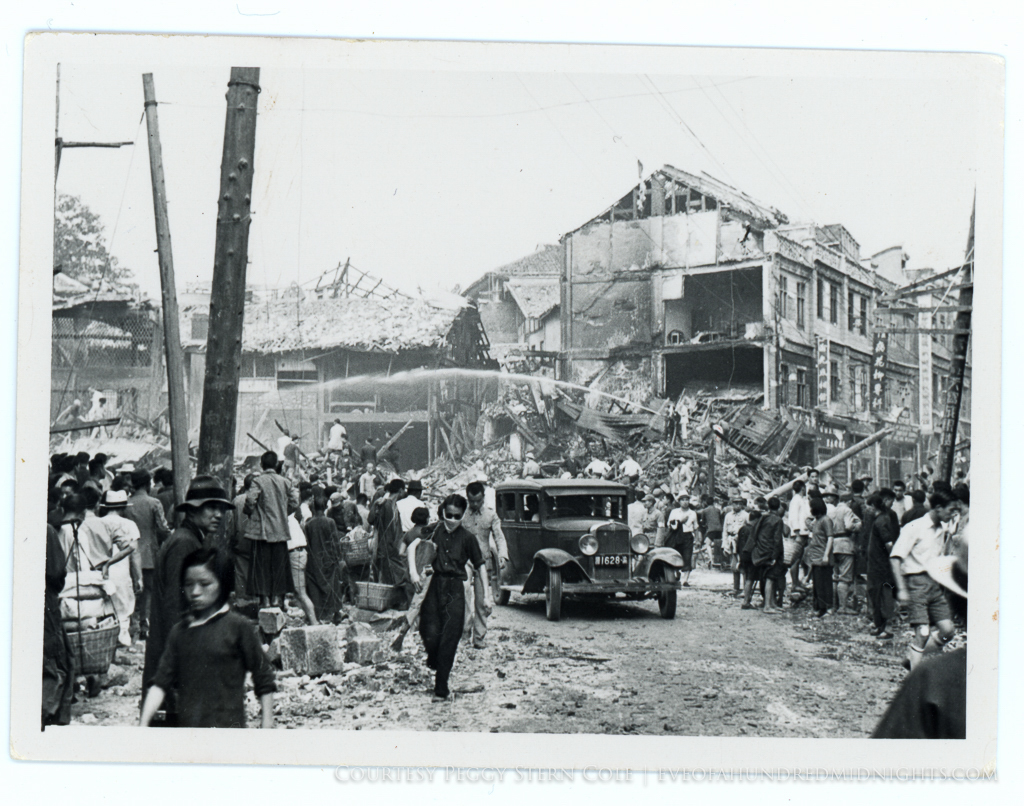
{"x":610,"y":314}
{"x":676,"y":240}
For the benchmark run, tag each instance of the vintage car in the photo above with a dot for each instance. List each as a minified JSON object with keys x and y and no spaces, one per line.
{"x":570,"y":537}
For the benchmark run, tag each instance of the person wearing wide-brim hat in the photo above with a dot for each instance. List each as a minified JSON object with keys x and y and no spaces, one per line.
{"x":932,"y":702}
{"x":122,"y":568}
{"x":205,"y":503}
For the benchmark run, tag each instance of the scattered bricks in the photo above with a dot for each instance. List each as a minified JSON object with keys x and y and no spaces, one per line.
{"x":311,"y":650}
{"x":362,"y":648}
{"x":272,"y":620}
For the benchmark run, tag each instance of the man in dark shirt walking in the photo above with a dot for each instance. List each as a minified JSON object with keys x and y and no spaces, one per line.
{"x":444,"y":609}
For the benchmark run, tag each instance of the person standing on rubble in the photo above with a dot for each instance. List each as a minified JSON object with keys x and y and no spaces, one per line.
{"x":270,"y":499}
{"x":388,"y":562}
{"x":531,"y":468}
{"x":680,"y":478}
{"x":483,"y":523}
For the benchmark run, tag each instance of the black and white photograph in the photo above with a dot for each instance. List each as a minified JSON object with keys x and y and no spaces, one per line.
{"x":505,"y":391}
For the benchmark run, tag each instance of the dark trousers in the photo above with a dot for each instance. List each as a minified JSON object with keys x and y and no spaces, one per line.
{"x":880,"y":600}
{"x":140,"y":618}
{"x":821,"y":579}
{"x":441,"y":622}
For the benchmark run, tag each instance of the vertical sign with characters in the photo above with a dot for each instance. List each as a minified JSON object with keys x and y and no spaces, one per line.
{"x":880,"y":352}
{"x":822,"y":367}
{"x":924,"y":380}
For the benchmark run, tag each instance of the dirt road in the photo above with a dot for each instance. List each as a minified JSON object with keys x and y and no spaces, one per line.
{"x":615,"y":668}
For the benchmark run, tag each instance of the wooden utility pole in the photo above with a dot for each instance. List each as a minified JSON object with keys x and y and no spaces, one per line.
{"x":958,"y":363}
{"x":227,"y":302}
{"x":172,"y":337}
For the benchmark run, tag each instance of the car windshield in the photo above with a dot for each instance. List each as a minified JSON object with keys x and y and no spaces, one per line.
{"x":584,"y":506}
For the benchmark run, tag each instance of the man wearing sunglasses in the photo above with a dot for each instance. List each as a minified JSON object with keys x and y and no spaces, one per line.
{"x":444,"y":608}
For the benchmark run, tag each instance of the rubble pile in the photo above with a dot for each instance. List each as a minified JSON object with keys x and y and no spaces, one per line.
{"x":561,"y":425}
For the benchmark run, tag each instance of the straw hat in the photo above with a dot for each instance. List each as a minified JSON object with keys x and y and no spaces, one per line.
{"x":115,"y":499}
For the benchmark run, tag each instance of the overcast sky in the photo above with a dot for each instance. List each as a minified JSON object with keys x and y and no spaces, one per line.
{"x":432,"y":178}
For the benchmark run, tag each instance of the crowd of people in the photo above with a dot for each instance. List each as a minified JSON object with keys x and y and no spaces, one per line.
{"x":177,"y":567}
{"x":174,"y":569}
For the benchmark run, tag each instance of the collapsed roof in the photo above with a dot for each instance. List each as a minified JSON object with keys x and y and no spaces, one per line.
{"x":365,"y":325}
{"x":535,"y":296}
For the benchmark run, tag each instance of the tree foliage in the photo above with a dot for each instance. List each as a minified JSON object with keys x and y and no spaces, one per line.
{"x":79,"y":245}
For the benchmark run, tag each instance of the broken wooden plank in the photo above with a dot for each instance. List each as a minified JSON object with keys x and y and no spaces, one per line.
{"x":64,"y":429}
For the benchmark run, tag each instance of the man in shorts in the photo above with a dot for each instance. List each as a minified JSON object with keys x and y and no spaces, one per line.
{"x":846,"y":526}
{"x":919,"y":543}
{"x":734,"y":520}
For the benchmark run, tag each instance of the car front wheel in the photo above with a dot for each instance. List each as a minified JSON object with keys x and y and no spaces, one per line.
{"x":667,"y":600}
{"x":553,"y":595}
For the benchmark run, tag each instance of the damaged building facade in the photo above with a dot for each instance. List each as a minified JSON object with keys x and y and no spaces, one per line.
{"x":309,"y":359}
{"x":687,"y":288}
{"x":519,"y":306}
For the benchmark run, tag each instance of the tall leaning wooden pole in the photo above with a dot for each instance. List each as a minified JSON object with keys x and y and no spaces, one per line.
{"x":169,"y":295}
{"x":227,"y":300}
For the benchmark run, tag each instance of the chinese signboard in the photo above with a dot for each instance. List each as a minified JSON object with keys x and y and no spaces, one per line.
{"x":880,"y":352}
{"x":924,"y":381}
{"x":822,"y":366}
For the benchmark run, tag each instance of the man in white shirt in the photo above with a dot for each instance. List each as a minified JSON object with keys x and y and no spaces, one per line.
{"x":598,"y":469}
{"x":635,"y":513}
{"x":901,"y":503}
{"x":680,"y":478}
{"x":414,"y":490}
{"x":920,"y":542}
{"x":631,"y":469}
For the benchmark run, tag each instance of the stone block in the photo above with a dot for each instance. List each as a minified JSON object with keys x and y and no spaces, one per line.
{"x":311,"y":650}
{"x":362,"y":648}
{"x":380,"y":622}
{"x":272,"y":620}
{"x":273,"y":651}
{"x":359,"y":629}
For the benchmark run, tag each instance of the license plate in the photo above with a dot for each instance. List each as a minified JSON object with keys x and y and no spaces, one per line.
{"x":611,"y":560}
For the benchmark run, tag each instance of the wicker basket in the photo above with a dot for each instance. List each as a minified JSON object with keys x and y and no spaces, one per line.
{"x":95,"y":648}
{"x":375,"y":596}
{"x":355,"y":549}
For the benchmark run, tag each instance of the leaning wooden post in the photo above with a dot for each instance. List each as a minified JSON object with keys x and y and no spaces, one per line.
{"x":172,"y":338}
{"x":835,"y":460}
{"x":227,"y":302}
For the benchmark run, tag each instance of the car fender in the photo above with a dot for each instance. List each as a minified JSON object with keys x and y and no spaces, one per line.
{"x":656,"y":556}
{"x":544,"y":559}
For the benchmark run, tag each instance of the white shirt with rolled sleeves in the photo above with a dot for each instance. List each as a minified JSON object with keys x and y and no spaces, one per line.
{"x":920,"y":541}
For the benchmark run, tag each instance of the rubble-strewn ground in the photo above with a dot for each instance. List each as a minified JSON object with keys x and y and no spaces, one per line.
{"x":605,"y":668}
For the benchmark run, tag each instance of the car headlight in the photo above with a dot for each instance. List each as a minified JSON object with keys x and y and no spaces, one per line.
{"x":588,"y":544}
{"x":640,"y":544}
